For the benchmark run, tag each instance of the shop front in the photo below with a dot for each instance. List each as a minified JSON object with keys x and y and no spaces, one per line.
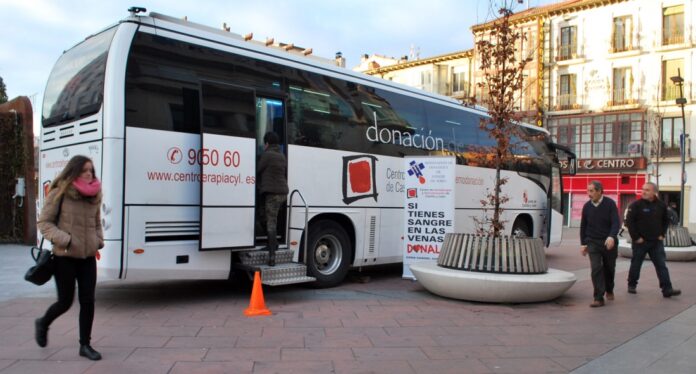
{"x":610,"y":147}
{"x":623,"y":186}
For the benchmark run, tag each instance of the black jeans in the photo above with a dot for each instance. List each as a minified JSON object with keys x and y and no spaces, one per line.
{"x":603,"y":263}
{"x":67,"y":271}
{"x":656,"y":250}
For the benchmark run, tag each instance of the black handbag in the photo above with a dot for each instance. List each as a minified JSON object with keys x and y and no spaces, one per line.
{"x":44,"y":268}
{"x":45,"y":261}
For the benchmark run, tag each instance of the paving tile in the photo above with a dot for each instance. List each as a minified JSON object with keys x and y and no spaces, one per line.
{"x":348,"y":341}
{"x":6,"y":363}
{"x":116,"y":354}
{"x":373,"y":367}
{"x":369,"y":322}
{"x":522,"y":365}
{"x":243,"y":354}
{"x":166,"y":355}
{"x":525,"y":351}
{"x":202,"y":342}
{"x":458,"y":353}
{"x":403,"y":341}
{"x":314,"y":322}
{"x":449,"y":366}
{"x":108,"y":367}
{"x":132,"y":341}
{"x":570,"y":363}
{"x":53,"y":367}
{"x":30,"y":352}
{"x":316,"y":354}
{"x":354,"y":331}
{"x":270,"y":342}
{"x":293,"y":331}
{"x":293,"y":367}
{"x":388,"y":354}
{"x":415,"y":331}
{"x":166,"y":331}
{"x":231,"y":331}
{"x":459,"y":340}
{"x":212,"y":367}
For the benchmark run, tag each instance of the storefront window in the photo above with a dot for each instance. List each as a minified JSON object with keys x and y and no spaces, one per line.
{"x":601,"y":136}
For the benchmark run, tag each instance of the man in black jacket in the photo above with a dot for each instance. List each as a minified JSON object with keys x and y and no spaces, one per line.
{"x":272,"y":170}
{"x":599,"y":227}
{"x":647,"y":223}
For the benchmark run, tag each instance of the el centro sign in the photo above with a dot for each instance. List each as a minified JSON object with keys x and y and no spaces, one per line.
{"x":604,"y":164}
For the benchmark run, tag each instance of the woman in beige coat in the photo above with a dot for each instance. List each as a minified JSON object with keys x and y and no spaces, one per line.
{"x":70,"y":219}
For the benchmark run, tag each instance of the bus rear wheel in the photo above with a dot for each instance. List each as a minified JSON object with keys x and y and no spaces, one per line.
{"x":328,"y":253}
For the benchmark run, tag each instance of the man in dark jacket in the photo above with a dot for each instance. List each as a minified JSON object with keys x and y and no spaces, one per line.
{"x":599,"y":227}
{"x":271,"y":170}
{"x":647,"y":223}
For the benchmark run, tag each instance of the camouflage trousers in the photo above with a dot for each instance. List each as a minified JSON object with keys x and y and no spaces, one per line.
{"x":268,"y":211}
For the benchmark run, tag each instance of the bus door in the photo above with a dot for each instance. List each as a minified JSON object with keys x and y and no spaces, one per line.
{"x":270,"y":116}
{"x":228,"y":166}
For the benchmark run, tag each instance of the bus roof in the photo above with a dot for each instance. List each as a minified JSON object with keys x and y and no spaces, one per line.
{"x":187,"y":27}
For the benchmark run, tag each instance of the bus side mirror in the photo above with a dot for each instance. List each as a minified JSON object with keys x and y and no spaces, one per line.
{"x":567,"y":159}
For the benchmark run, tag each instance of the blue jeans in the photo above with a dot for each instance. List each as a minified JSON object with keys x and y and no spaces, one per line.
{"x":656,"y":250}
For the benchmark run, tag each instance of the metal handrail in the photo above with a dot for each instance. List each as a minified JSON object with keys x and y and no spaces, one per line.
{"x":306,"y":226}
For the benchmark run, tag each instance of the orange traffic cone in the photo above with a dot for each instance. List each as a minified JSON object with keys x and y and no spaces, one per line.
{"x":257,"y":306}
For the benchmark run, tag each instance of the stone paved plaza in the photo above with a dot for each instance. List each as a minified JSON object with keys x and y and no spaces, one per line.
{"x":373,"y":323}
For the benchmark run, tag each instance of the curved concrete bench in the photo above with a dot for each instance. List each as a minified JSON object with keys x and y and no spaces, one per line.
{"x":492,"y":287}
{"x":493,"y":255}
{"x":671,"y":253}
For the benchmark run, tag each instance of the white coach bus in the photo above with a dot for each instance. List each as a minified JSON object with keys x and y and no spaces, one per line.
{"x":173,"y":114}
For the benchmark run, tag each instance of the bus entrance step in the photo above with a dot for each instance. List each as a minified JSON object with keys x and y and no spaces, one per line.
{"x":281,"y":274}
{"x":260,"y":257}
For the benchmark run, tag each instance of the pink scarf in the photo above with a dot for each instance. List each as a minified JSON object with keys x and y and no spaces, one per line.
{"x":88,"y":189}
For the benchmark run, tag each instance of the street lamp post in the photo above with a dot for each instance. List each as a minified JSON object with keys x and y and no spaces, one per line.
{"x":681,"y":101}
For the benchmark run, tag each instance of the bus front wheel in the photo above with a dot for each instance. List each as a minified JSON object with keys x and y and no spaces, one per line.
{"x":520,"y":229}
{"x":328,"y":253}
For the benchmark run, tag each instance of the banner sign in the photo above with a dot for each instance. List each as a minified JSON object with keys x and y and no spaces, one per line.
{"x":428,"y":207}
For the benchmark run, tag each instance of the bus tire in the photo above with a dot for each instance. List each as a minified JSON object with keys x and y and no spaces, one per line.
{"x":520,"y":229}
{"x":328,"y":254}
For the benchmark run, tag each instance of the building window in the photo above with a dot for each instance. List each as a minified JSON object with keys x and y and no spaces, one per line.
{"x":673,"y":25}
{"x":621,"y":38}
{"x":426,"y":80}
{"x":459,"y":82}
{"x":601,"y":136}
{"x":670,"y":68}
{"x":671,"y":131}
{"x":566,"y":92}
{"x":568,"y":45}
{"x":621,"y":93}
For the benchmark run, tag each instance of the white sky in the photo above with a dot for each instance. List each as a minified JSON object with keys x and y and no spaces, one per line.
{"x":36,"y":32}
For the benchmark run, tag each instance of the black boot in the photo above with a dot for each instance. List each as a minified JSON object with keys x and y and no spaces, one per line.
{"x":40,"y":332}
{"x":272,"y":246}
{"x":87,"y":351}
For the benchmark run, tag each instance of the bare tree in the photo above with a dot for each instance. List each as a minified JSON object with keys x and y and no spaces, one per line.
{"x":503,"y":79}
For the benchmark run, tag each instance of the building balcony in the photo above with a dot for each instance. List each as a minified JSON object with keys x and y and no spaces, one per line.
{"x":670,"y":92}
{"x":620,"y":44}
{"x":567,"y":52}
{"x":673,"y":154}
{"x":566,"y":102}
{"x":621,"y":99}
{"x":670,"y":37}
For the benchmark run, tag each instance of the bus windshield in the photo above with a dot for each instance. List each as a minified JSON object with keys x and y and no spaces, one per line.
{"x":76,"y":85}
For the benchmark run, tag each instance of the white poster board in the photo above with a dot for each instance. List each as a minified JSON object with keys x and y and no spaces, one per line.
{"x":428,"y":207}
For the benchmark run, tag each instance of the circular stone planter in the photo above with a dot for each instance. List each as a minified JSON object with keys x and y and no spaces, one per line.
{"x":497,"y":270}
{"x":492,"y":287}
